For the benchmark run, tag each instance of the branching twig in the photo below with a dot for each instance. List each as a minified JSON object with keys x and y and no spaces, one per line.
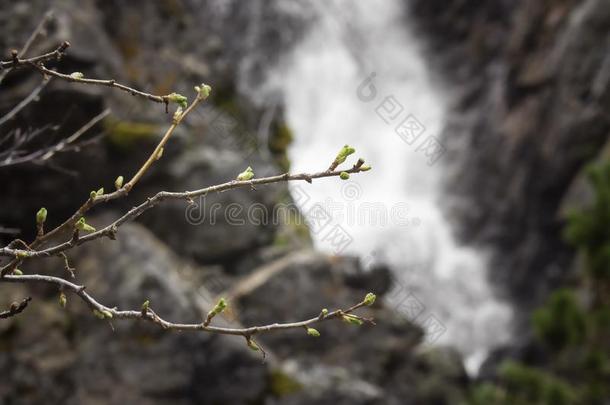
{"x":48,"y":16}
{"x":149,"y":315}
{"x":15,"y":156}
{"x":31,"y":97}
{"x":76,"y":224}
{"x":111,"y":229}
{"x":121,"y":192}
{"x":37,"y":63}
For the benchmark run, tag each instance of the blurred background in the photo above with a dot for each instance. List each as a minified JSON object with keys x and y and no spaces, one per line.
{"x":483,"y":226}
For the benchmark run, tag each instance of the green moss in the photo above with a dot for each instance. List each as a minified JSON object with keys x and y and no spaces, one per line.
{"x":283,"y":385}
{"x":125,"y":134}
{"x":293,"y":226}
{"x":225,"y":99}
{"x":280,"y":139}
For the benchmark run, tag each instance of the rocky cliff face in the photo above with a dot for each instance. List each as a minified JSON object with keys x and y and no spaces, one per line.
{"x":531,"y":84}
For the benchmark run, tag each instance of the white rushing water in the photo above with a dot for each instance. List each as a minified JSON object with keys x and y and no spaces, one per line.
{"x":391,"y":214}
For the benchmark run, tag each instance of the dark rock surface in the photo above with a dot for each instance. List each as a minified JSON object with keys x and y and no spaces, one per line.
{"x":50,"y":355}
{"x":531,"y":104}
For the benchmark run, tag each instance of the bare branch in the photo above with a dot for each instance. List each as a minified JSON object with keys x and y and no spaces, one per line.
{"x":37,"y":63}
{"x":112,"y":229}
{"x":43,"y":154}
{"x":147,"y":314}
{"x":24,"y":103}
{"x":15,"y":308}
{"x":75,"y":224}
{"x":48,"y":16}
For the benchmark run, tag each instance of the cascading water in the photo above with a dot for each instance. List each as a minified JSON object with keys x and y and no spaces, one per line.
{"x":359,"y":78}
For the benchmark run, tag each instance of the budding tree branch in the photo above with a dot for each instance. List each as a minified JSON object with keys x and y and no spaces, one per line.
{"x":76,"y":224}
{"x":37,"y":63}
{"x":148,"y":314}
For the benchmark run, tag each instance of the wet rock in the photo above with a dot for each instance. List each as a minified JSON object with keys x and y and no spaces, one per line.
{"x":531,"y":117}
{"x":346,"y":364}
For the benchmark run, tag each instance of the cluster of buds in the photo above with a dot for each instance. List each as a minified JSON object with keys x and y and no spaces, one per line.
{"x":81,"y":225}
{"x":203,"y":91}
{"x":342,"y":156}
{"x":94,"y":194}
{"x":179,"y":99}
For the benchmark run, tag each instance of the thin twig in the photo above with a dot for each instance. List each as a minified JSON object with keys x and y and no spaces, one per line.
{"x":37,"y":63}
{"x":46,"y":153}
{"x":101,"y":82}
{"x":151,"y":316}
{"x":33,"y":62}
{"x":111,"y":229}
{"x":15,"y":308}
{"x":31,"y":97}
{"x":48,"y":16}
{"x":75,"y":136}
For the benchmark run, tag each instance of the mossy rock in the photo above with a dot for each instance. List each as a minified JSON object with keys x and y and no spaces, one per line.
{"x":280,"y":139}
{"x":125,"y":134}
{"x":282,"y":384}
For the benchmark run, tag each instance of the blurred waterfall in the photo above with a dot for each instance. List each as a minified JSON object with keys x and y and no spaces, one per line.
{"x":359,"y":77}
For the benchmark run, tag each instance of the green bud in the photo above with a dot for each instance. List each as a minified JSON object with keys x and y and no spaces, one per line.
{"x":92,"y":195}
{"x":344,"y":153}
{"x":107,"y":314}
{"x":369,"y":299}
{"x":252,"y":345}
{"x":220,"y":306}
{"x":99,"y":314}
{"x":246,"y":174}
{"x":177,"y":115}
{"x":83,"y":226}
{"x":77,"y":75}
{"x":344,"y":176}
{"x":63,"y":300}
{"x":352,"y":320}
{"x":203,"y":91}
{"x":178,"y":99}
{"x":159,"y":154}
{"x":365,"y":168}
{"x":145,"y":306}
{"x":313,"y":332}
{"x":17,"y":272}
{"x":118,"y":183}
{"x":41,"y":216}
{"x":22,"y":254}
{"x":324,"y":311}
{"x":100,"y":192}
